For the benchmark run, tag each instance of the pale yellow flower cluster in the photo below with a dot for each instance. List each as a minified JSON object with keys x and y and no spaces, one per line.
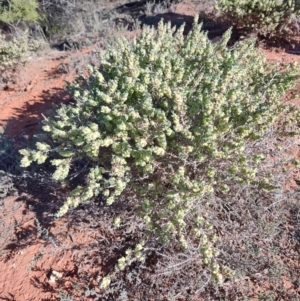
{"x":13,"y":53}
{"x":131,"y":255}
{"x":167,"y":118}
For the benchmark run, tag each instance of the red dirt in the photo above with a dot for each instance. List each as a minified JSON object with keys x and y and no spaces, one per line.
{"x":40,"y":84}
{"x":28,"y":273}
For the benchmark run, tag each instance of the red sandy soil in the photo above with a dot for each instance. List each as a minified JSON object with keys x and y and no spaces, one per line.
{"x":24,"y":275}
{"x":39,"y":85}
{"x":27,"y":272}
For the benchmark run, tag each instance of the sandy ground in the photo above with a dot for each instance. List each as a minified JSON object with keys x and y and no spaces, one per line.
{"x":29,"y":267}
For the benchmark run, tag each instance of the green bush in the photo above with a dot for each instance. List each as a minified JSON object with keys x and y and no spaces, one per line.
{"x":19,"y":10}
{"x":13,"y":53}
{"x":268,"y":17}
{"x":9,"y":165}
{"x":166,"y":121}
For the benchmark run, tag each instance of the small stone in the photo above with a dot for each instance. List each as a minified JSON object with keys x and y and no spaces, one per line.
{"x":55,"y":276}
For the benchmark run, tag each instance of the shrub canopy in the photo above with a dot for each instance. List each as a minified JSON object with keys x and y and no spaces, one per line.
{"x":269,"y":18}
{"x":166,"y":120}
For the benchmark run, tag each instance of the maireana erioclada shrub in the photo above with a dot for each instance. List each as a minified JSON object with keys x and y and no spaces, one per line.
{"x":269,"y":18}
{"x":166,"y":120}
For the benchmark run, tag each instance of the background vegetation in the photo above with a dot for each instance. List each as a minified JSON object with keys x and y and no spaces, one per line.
{"x":14,"y":11}
{"x":267,"y":18}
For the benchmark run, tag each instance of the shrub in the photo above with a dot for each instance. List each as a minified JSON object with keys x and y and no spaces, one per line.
{"x":19,"y":10}
{"x":268,"y":18}
{"x":166,"y":121}
{"x":13,"y":53}
{"x":66,"y":19}
{"x":6,"y":184}
{"x":9,"y":155}
{"x":9,"y":165}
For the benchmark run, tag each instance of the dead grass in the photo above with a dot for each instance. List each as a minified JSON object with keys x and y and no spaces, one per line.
{"x":82,"y":20}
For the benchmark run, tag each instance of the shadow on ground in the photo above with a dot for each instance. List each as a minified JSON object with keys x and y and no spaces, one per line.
{"x":27,"y":119}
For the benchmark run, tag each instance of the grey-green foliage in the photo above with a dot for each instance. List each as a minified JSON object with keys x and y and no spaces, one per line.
{"x":268,"y":17}
{"x":15,"y":53}
{"x":6,"y":184}
{"x":9,"y":165}
{"x":166,"y":120}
